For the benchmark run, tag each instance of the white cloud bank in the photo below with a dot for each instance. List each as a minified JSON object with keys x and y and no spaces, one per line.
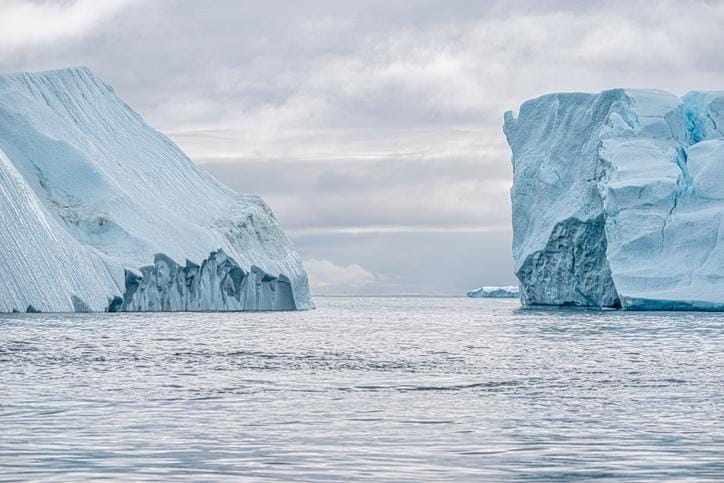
{"x":25,"y":23}
{"x":324,"y":274}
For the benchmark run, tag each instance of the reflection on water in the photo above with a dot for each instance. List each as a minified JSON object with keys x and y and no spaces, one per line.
{"x":364,"y":389}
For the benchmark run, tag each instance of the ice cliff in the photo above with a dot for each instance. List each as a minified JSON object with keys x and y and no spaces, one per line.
{"x":618,"y":199}
{"x":98,"y":211}
{"x":494,"y":292}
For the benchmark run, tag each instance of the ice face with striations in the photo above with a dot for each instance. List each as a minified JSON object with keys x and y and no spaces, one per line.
{"x":97,"y":209}
{"x":618,"y":199}
{"x":495,"y":292}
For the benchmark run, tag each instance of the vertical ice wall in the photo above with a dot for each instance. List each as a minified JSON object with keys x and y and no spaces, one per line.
{"x":616,"y":200}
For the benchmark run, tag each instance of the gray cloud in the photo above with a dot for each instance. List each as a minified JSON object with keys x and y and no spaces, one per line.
{"x":430,"y":192}
{"x":417,"y":263}
{"x":372,"y":127}
{"x":27,"y":25}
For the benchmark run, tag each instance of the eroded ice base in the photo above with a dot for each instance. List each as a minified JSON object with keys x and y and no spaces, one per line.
{"x":218,"y":284}
{"x":571,"y":269}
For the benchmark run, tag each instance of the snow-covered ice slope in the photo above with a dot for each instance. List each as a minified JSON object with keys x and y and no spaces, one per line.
{"x":509,"y":291}
{"x":618,"y":199}
{"x":97,"y":209}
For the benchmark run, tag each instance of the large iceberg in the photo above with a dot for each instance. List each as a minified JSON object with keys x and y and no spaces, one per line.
{"x":489,"y":292}
{"x":98,"y":211}
{"x":618,"y":199}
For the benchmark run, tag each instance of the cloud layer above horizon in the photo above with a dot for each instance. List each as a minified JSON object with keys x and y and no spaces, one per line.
{"x":372,"y":128}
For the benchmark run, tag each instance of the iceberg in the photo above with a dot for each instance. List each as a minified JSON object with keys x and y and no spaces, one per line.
{"x":100,"y":212}
{"x":618,"y":199}
{"x":495,"y":292}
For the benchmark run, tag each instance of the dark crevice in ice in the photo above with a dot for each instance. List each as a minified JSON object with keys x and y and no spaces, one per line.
{"x":116,"y":304}
{"x":684,"y":184}
{"x":79,"y":304}
{"x":572,"y":269}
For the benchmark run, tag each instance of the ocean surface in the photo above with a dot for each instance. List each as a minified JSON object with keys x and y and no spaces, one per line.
{"x":402,"y":389}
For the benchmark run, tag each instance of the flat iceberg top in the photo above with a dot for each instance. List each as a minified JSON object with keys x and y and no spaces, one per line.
{"x":89,"y":191}
{"x":509,"y":291}
{"x":618,"y":198}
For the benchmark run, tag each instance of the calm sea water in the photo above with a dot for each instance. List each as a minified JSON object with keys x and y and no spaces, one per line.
{"x":408,"y":389}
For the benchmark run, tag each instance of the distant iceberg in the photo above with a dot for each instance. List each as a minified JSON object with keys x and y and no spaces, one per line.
{"x":495,"y":292}
{"x":618,"y":199}
{"x":100,"y":212}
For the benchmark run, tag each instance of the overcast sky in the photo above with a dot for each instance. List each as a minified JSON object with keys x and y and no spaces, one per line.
{"x":372,"y":128}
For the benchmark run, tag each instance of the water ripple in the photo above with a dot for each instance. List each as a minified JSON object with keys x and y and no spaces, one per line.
{"x":403,"y":389}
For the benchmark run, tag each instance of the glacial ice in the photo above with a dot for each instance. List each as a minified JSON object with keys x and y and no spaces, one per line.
{"x":618,"y":199}
{"x":97,"y":209}
{"x":217,"y":284}
{"x":509,"y":291}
